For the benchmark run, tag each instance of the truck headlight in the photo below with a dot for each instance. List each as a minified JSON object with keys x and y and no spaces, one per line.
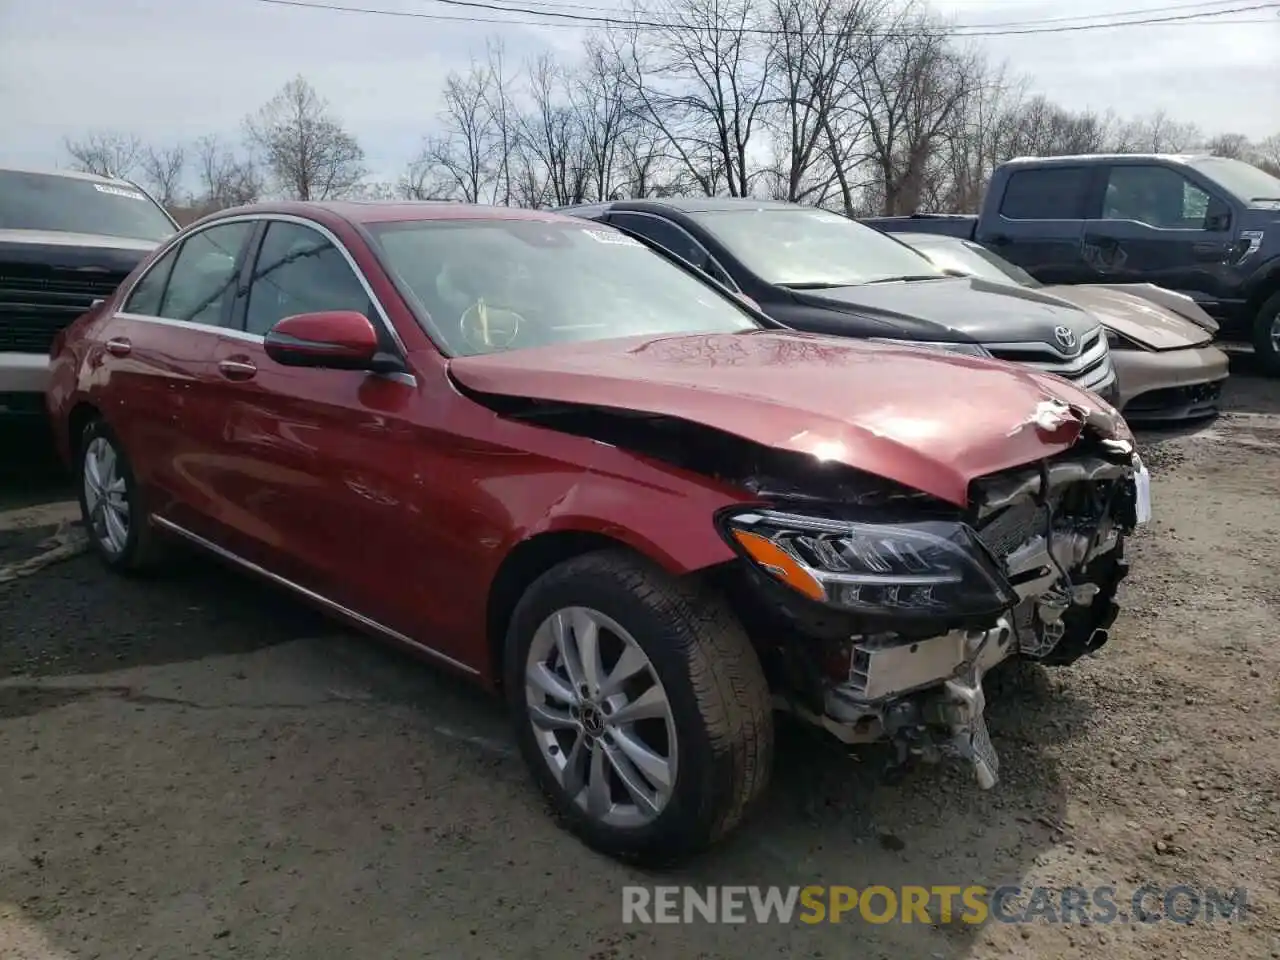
{"x":926,"y":568}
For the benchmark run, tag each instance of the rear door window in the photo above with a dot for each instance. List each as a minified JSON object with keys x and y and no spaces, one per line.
{"x":147,"y":293}
{"x":1048,"y":193}
{"x":1156,"y":196}
{"x":203,"y":282}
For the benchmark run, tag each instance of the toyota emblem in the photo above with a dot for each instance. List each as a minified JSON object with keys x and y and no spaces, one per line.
{"x":1065,"y":336}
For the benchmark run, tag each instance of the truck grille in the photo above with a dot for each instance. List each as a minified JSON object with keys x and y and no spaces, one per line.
{"x":37,"y":302}
{"x":1090,"y":369}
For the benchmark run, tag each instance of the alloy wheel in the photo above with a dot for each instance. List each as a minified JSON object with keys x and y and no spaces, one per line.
{"x":601,"y":717}
{"x":106,"y":496}
{"x":1275,"y":334}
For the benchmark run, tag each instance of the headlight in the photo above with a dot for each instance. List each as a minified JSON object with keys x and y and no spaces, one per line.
{"x":968,"y":349}
{"x":927,"y":568}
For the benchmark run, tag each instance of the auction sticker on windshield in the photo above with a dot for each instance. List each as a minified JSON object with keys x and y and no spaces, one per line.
{"x":621,"y":239}
{"x":118,"y":191}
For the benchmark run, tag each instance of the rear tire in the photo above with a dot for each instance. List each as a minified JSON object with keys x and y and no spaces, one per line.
{"x":708,"y":719}
{"x":1266,"y":336}
{"x":111,"y":503}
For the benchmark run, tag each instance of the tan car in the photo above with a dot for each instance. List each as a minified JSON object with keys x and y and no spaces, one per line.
{"x":1161,"y":341}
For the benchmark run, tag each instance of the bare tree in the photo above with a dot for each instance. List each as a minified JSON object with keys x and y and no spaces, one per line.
{"x":1233,"y":145}
{"x":107,"y":153}
{"x":913,"y":86}
{"x":1267,"y":154}
{"x":224,"y":179}
{"x":462,"y":160}
{"x":700,"y":78}
{"x":308,"y":153}
{"x":1157,"y":133}
{"x":162,"y":172}
{"x":554,"y":154}
{"x":606,"y":117}
{"x":817,"y":50}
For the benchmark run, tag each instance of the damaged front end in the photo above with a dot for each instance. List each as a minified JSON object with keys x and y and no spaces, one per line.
{"x":878,"y":618}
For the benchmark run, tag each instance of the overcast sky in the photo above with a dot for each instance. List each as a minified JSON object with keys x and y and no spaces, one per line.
{"x":171,"y":70}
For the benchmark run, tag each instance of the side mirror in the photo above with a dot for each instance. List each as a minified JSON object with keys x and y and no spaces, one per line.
{"x":335,"y":339}
{"x":1217,"y":216}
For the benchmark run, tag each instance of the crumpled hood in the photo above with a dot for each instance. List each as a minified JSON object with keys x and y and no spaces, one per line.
{"x":1140,"y":318}
{"x":957,"y":308}
{"x":925,"y":419}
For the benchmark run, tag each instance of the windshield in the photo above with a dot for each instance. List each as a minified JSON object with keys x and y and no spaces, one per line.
{"x":494,"y":285}
{"x":1246,"y":181}
{"x":42,"y":201}
{"x":964,"y":256}
{"x":807,"y":247}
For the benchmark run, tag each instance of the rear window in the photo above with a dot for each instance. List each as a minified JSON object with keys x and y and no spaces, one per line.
{"x":1050,"y":193}
{"x":41,"y":201}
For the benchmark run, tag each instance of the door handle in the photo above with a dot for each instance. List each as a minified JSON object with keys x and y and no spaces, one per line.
{"x":237,"y":369}
{"x":119,"y":347}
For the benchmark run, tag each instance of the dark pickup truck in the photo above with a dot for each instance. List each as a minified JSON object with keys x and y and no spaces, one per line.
{"x":1207,"y":227}
{"x":66,"y":240}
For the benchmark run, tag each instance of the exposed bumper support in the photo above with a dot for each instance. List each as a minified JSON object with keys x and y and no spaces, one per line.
{"x":925,"y":696}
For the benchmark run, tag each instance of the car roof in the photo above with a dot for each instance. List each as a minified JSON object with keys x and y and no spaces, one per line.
{"x":395,"y":211}
{"x":684,"y":205}
{"x":919,"y":236}
{"x":1118,"y":158}
{"x":69,"y":175}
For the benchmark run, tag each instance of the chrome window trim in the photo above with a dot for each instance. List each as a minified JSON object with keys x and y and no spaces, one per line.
{"x":190,"y":325}
{"x":311,"y":595}
{"x":320,"y":228}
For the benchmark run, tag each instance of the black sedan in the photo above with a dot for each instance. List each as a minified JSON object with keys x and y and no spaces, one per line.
{"x":821,"y":272}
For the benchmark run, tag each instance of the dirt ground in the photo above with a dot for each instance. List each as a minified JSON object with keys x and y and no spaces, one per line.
{"x":200,"y":767}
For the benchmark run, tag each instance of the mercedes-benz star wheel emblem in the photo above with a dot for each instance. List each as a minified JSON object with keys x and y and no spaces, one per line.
{"x":1065,"y":336}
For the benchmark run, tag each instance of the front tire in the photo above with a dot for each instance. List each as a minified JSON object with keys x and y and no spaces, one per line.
{"x":111,"y":503}
{"x":639,"y":705}
{"x":1266,"y":336}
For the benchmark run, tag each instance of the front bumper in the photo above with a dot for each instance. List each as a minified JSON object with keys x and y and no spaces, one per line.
{"x":23,"y":379}
{"x":1170,"y":385}
{"x":924,"y":693}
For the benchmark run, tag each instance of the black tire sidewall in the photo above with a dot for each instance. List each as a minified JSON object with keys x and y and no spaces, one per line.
{"x":128,"y":557}
{"x":1268,"y":358}
{"x":687,"y":818}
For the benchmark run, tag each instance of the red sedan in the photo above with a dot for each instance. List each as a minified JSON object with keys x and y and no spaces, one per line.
{"x":564,"y":464}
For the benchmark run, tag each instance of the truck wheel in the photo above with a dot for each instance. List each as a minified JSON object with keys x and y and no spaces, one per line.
{"x":111,"y":503}
{"x":1266,"y":336}
{"x":639,"y":705}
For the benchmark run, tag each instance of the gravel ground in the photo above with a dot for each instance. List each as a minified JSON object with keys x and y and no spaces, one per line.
{"x":200,"y":767}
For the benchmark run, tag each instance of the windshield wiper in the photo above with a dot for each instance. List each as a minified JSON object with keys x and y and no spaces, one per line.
{"x":819,"y":285}
{"x":1264,"y":199}
{"x":909,"y":278}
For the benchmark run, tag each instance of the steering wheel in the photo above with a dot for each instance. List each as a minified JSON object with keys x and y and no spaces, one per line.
{"x":487,"y":328}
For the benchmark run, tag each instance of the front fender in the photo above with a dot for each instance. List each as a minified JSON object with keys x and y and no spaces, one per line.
{"x":672,"y":527}
{"x":1263,"y":280}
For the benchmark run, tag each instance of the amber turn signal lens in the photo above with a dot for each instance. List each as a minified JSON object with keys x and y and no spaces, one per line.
{"x":780,"y":563}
